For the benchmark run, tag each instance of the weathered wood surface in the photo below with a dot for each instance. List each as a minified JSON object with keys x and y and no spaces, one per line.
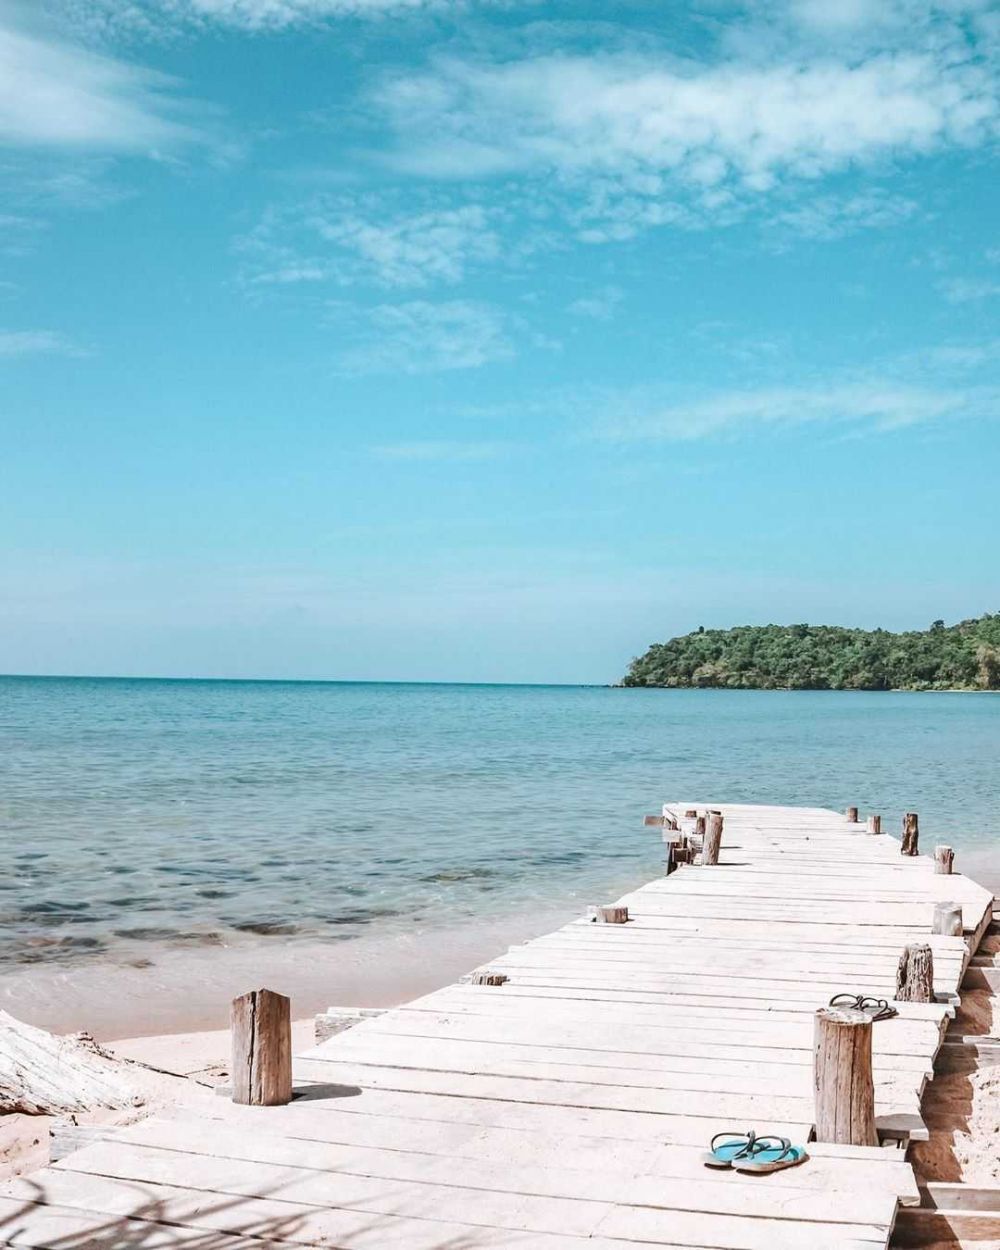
{"x":44,"y":1074}
{"x":568,"y":1110}
{"x":844,"y":1084}
{"x":261,"y":1023}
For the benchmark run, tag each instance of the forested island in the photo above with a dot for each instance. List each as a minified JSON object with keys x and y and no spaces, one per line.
{"x":965,"y":656}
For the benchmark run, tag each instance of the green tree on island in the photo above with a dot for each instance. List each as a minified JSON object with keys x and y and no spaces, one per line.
{"x":965,"y":656}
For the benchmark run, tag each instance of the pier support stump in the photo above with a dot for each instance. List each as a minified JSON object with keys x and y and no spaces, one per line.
{"x":842,"y":1077}
{"x":874,"y":824}
{"x":947,"y":919}
{"x":852,"y":815}
{"x":944,"y":858}
{"x":612,"y":915}
{"x":911,"y":833}
{"x":915,"y":974}
{"x":713,"y":839}
{"x":262,"y":1049}
{"x":489,"y":978}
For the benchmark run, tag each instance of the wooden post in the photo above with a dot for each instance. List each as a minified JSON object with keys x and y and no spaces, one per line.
{"x":713,"y":840}
{"x":489,"y":978}
{"x":947,"y":919}
{"x":262,"y":1049}
{"x":852,"y":815}
{"x":915,"y":975}
{"x":944,"y":857}
{"x":911,"y":833}
{"x":842,"y":1077}
{"x":699,"y":826}
{"x":691,"y":813}
{"x":874,"y":824}
{"x":611,"y":915}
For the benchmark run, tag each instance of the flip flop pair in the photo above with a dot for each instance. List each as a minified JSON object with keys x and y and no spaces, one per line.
{"x":877,"y":1008}
{"x":746,"y":1152}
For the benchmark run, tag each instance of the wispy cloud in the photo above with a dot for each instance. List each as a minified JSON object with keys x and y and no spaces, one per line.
{"x":15,"y":343}
{"x":358,"y":239}
{"x":419,"y":336}
{"x":599,"y":306}
{"x":828,"y":217}
{"x":54,"y":95}
{"x":967,"y":290}
{"x":879,"y":405}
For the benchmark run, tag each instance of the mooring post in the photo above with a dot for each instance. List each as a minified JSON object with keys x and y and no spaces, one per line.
{"x":609,"y":914}
{"x":699,"y":826}
{"x":947,"y":919}
{"x":944,"y":858}
{"x":842,"y":1077}
{"x":915,"y":974}
{"x":911,"y":834}
{"x":874,"y":824}
{"x":262,"y":1048}
{"x":489,"y":978}
{"x":852,"y":815}
{"x":713,"y":839}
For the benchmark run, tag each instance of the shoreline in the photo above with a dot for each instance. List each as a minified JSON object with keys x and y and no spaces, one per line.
{"x":189,"y":991}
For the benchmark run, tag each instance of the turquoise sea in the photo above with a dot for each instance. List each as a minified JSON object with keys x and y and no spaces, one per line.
{"x":144,"y":816}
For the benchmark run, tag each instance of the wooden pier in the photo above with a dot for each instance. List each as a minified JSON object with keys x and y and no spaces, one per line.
{"x":566,"y":1107}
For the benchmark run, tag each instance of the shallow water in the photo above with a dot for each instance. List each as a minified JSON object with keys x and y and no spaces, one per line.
{"x":146,"y":817}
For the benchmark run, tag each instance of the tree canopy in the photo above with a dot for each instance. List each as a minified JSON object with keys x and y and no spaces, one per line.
{"x":965,"y":656}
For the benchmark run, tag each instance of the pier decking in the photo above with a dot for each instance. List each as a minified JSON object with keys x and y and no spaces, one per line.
{"x":568,"y":1108}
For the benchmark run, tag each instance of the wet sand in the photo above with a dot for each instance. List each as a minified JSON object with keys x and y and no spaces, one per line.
{"x":184,"y":991}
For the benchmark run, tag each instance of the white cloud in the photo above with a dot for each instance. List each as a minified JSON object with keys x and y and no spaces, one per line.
{"x":54,"y":95}
{"x":707,"y":126}
{"x":256,"y":15}
{"x":423,"y":337}
{"x":350,"y":240}
{"x":36,"y":343}
{"x":829,"y":217}
{"x":875,"y":404}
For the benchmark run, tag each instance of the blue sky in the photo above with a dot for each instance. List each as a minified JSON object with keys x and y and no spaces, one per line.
{"x":415,"y":339}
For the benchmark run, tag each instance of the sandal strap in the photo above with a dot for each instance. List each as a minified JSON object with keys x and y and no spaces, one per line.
{"x":733,"y":1137}
{"x":760,"y":1144}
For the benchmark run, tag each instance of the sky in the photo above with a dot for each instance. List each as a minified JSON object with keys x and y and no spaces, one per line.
{"x":488,"y":340}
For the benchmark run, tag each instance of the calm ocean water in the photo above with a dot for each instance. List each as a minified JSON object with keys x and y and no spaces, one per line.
{"x":143,"y":815}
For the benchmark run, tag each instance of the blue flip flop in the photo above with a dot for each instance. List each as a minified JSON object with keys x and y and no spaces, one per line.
{"x":770,"y":1154}
{"x":724,"y":1148}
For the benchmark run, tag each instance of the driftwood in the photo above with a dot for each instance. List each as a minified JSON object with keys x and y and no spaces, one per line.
{"x":41,"y":1074}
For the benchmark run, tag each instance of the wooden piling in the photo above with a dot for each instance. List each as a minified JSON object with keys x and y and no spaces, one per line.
{"x":261,"y":1024}
{"x":852,"y":815}
{"x":489,"y":978}
{"x":699,"y":826}
{"x":915,"y":974}
{"x":611,"y":915}
{"x":842,"y":1077}
{"x":874,"y":824}
{"x":713,"y":839}
{"x":947,"y":919}
{"x":944,"y":858}
{"x":911,"y":834}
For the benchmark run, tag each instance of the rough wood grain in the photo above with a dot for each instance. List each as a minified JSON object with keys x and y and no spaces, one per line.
{"x":713,"y":839}
{"x":944,"y":858}
{"x":874,"y":824}
{"x":915,"y":974}
{"x":609,"y":914}
{"x":489,"y":978}
{"x":911,"y":834}
{"x":261,"y":1023}
{"x":852,"y":815}
{"x":41,"y":1074}
{"x":842,"y":1075}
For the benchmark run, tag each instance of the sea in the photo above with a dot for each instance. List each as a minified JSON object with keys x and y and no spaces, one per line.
{"x":164,"y":842}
